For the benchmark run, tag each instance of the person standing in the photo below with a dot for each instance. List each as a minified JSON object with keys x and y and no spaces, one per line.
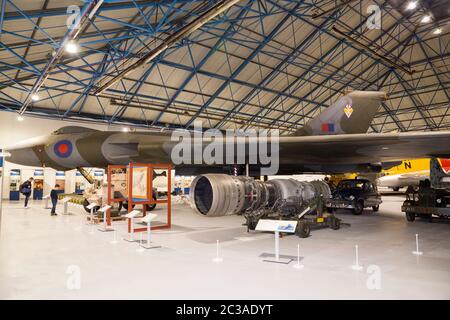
{"x":25,"y":189}
{"x":54,"y":198}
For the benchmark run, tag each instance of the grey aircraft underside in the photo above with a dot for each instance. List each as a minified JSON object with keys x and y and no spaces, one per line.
{"x":335,"y":141}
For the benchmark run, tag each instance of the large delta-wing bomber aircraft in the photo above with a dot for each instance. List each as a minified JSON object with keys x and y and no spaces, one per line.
{"x":333,"y":142}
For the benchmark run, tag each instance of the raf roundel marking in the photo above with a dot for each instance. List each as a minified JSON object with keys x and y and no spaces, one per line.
{"x":63,"y":148}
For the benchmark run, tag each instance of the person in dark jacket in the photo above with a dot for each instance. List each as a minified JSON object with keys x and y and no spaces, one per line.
{"x":25,"y":189}
{"x":54,"y":198}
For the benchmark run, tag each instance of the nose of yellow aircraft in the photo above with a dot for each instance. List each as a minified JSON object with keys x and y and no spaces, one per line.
{"x":24,"y":156}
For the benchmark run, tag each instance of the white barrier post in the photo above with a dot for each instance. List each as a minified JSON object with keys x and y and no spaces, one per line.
{"x":417,"y":252}
{"x":356,"y":266}
{"x":298,"y":265}
{"x":65,"y":202}
{"x":217,"y":258}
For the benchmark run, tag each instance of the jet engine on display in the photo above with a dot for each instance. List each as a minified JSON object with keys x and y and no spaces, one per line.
{"x":216,"y":195}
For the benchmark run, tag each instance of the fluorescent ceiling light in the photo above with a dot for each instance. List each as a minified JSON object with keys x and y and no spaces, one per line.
{"x":437,"y":31}
{"x":426,"y":19}
{"x":71,"y":47}
{"x":35,"y":97}
{"x":411,"y":5}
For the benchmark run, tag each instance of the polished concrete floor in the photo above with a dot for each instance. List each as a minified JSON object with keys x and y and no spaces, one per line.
{"x":44,"y":257}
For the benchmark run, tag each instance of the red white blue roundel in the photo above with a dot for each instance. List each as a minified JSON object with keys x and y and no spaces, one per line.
{"x":63,"y":148}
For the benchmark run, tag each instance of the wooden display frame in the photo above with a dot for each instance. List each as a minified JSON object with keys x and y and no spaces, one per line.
{"x":144,"y":202}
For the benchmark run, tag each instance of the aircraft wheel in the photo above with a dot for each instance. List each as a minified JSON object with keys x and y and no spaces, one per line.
{"x":376,"y":208}
{"x":251,"y":224}
{"x":396,"y":188}
{"x":410,"y":216}
{"x":125,"y":205}
{"x":359,"y":208}
{"x":303,"y":229}
{"x":151,"y":207}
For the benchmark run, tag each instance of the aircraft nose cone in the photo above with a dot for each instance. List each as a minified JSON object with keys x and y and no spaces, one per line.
{"x":25,"y":156}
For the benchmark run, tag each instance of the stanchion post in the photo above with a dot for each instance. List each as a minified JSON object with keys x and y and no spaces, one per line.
{"x":217,"y":258}
{"x":417,"y":252}
{"x":357,"y":266}
{"x":277,"y":246}
{"x":298,"y":265}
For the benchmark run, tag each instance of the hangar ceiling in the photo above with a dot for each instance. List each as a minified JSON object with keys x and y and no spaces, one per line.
{"x":261,"y":63}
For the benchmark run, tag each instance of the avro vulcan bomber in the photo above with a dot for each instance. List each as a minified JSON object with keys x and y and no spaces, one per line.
{"x":334,"y":141}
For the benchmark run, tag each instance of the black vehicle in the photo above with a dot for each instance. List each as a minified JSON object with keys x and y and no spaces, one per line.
{"x":355,"y":195}
{"x":426,"y":202}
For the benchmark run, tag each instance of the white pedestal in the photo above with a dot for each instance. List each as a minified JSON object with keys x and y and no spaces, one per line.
{"x":105,"y":227}
{"x":133,"y":214}
{"x":91,"y":215}
{"x":277,"y":252}
{"x":46,"y":198}
{"x":65,"y":203}
{"x":148,"y":220}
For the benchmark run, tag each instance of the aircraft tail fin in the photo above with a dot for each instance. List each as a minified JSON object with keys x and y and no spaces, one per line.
{"x":352,"y":113}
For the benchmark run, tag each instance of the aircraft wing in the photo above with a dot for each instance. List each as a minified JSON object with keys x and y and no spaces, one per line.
{"x":364,"y":148}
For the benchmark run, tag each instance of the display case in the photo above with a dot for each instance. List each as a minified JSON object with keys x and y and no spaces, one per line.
{"x":14,"y":184}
